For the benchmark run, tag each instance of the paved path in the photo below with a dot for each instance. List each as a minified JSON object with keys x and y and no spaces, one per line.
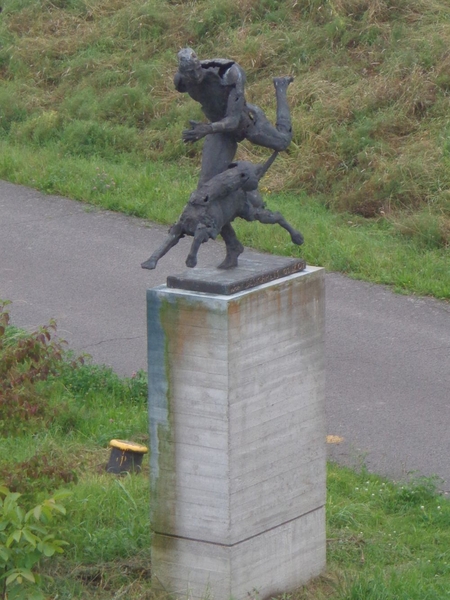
{"x":388,"y":356}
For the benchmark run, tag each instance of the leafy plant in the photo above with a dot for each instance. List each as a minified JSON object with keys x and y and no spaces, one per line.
{"x":25,"y":538}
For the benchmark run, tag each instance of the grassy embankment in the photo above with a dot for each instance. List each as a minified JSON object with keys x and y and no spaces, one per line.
{"x":385,"y":540}
{"x":88,"y":110}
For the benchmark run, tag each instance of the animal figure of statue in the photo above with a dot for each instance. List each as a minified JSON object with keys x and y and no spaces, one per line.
{"x":214,"y":205}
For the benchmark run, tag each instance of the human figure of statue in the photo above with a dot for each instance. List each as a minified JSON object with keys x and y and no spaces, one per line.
{"x":218,"y":85}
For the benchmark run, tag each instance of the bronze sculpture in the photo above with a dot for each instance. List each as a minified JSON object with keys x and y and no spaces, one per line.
{"x":226,"y":189}
{"x":213,"y":206}
{"x":218,"y":85}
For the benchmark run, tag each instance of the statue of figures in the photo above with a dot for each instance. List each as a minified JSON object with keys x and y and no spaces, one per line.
{"x":226,"y":189}
{"x":218,"y":85}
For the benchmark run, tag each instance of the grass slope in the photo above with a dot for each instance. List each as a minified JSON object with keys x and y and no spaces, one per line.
{"x":88,"y":109}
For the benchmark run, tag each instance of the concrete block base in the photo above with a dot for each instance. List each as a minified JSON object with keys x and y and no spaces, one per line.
{"x":268,"y":564}
{"x":237,"y":437}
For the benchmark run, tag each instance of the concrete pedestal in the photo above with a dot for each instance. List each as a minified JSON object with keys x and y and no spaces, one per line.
{"x":237,"y":437}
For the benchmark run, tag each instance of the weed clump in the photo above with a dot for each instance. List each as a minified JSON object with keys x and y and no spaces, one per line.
{"x":43,"y":471}
{"x":27,"y":360}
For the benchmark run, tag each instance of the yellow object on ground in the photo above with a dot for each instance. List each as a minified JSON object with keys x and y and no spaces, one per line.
{"x":125,"y":445}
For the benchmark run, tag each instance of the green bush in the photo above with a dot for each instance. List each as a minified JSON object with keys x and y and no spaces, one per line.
{"x":45,"y":471}
{"x":26,"y":362}
{"x":428,"y":230}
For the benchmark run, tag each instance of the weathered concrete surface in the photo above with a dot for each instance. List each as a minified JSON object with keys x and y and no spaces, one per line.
{"x":387,"y":356}
{"x":241,"y":570}
{"x":237,"y":421}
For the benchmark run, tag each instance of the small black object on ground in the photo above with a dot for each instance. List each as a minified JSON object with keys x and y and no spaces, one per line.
{"x":125,"y":457}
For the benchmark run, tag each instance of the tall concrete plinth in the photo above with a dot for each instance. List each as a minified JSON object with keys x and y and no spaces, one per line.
{"x":237,"y":437}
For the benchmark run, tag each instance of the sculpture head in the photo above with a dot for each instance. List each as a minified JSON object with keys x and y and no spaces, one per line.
{"x":189,"y":65}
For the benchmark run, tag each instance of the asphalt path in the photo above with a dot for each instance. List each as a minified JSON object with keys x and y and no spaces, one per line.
{"x":387,"y":355}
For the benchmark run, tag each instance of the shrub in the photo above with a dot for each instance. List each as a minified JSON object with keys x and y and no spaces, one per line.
{"x":26,"y":361}
{"x":427,"y":229}
{"x":44,"y":471}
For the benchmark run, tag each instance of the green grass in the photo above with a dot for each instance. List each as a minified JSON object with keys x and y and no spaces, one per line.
{"x":88,"y":110}
{"x":391,"y":539}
